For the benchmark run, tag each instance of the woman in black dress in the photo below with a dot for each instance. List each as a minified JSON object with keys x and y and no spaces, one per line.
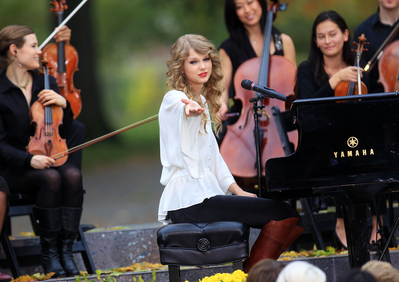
{"x":245,"y":21}
{"x":330,"y":62}
{"x":58,"y":190}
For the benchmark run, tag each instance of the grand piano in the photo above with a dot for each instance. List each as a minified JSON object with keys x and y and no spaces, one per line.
{"x":348,"y":149}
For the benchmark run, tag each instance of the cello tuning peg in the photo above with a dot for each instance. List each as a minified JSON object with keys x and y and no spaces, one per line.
{"x":52,"y":10}
{"x":365,"y":49}
{"x":65,"y":7}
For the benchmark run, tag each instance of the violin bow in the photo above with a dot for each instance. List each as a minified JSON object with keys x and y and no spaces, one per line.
{"x":81,"y":146}
{"x":62,"y":24}
{"x":380,"y":51}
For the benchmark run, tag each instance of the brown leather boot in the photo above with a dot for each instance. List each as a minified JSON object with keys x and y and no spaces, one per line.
{"x":296,"y":231}
{"x":270,"y":241}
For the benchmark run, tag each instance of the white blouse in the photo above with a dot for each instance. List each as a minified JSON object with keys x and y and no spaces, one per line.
{"x":193,"y":168}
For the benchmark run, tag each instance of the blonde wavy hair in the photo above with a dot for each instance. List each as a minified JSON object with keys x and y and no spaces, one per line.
{"x":381,"y":270}
{"x":213,"y":88}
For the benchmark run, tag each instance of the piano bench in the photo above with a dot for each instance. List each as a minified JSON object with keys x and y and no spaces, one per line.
{"x":202,"y":244}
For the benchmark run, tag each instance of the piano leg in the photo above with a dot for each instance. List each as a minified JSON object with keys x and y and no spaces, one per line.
{"x":357,"y":234}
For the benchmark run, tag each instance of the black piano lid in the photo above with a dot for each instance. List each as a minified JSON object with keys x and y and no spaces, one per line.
{"x":388,"y":95}
{"x":341,"y":145}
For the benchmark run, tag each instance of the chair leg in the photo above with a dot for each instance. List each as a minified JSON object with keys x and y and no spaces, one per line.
{"x":88,"y":261}
{"x":238,"y":265}
{"x":10,"y":254}
{"x":174,"y":273}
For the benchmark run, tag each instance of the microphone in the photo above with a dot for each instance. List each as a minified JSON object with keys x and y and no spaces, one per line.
{"x":267,"y":92}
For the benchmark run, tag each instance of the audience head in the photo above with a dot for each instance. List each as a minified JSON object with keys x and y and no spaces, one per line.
{"x":300,"y":271}
{"x":357,"y":275}
{"x":266,"y":270}
{"x":382,"y":271}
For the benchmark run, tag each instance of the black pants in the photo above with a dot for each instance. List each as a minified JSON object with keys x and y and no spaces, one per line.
{"x":254,"y":212}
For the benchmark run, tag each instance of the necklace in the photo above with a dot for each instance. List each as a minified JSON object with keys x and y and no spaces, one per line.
{"x":24,"y":86}
{"x":254,"y":42}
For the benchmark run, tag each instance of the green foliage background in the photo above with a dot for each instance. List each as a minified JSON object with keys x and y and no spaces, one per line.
{"x":133,"y":37}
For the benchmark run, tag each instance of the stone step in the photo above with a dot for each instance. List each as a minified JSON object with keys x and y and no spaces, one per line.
{"x":134,"y":244}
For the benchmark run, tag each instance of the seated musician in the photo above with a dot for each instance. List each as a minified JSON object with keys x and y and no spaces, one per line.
{"x":245,"y":22}
{"x":196,"y":177}
{"x":377,"y":28}
{"x":58,"y":190}
{"x":330,"y":62}
{"x":4,"y":192}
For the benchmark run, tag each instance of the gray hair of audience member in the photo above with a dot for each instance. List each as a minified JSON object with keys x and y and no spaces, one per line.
{"x":383,"y":271}
{"x":300,"y":271}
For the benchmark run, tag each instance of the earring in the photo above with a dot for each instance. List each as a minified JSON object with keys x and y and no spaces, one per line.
{"x":19,"y":64}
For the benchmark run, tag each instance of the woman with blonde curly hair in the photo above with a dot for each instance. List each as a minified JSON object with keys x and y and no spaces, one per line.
{"x":195,"y":176}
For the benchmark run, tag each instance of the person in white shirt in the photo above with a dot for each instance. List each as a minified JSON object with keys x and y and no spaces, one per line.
{"x":196,"y":178}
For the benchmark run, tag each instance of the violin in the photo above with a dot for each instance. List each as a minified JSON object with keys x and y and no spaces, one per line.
{"x":277,"y":72}
{"x":348,"y":88}
{"x":47,"y":120}
{"x":63,"y":58}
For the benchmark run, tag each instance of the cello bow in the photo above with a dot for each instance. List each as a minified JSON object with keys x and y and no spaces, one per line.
{"x":370,"y":64}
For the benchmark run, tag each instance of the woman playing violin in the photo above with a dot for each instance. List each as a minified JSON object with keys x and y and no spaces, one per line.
{"x":59,"y":190}
{"x":195,"y":176}
{"x":245,"y":21}
{"x":329,"y":63}
{"x":330,"y":58}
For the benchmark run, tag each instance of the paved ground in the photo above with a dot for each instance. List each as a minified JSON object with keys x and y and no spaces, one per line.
{"x":123,"y":194}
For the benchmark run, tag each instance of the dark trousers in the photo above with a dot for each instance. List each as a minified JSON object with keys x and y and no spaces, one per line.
{"x":254,"y":212}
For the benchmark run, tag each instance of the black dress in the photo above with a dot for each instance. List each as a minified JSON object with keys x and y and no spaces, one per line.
{"x":239,"y":52}
{"x":15,"y":127}
{"x":375,"y":32}
{"x":306,"y":86}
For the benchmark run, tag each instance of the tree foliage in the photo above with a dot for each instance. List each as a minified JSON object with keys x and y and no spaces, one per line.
{"x":131,"y":39}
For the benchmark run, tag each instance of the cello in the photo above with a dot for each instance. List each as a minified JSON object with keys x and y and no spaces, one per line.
{"x":63,"y":58}
{"x":277,"y":72}
{"x":388,"y":68}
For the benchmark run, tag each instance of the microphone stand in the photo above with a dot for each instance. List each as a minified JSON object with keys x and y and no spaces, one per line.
{"x":257,"y":135}
{"x":258,"y":142}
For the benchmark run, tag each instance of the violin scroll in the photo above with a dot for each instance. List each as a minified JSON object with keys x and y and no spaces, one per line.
{"x":58,"y":6}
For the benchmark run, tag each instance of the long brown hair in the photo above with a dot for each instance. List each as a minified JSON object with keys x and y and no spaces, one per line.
{"x":213,"y":88}
{"x":315,"y":54}
{"x":12,"y":34}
